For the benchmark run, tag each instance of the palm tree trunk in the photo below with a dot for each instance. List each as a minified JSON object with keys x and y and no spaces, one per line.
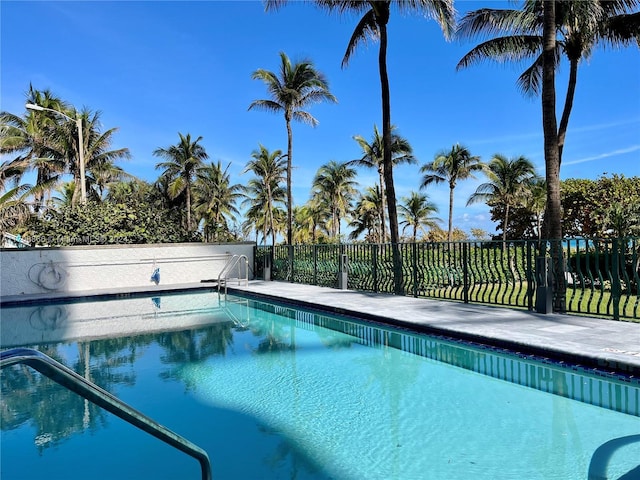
{"x":450,"y":234}
{"x":188,"y":208}
{"x":568,"y":105}
{"x":383,"y":226}
{"x":265,"y":229}
{"x":551,"y":151}
{"x":504,"y":227}
{"x":270,"y":207}
{"x":387,"y":164}
{"x":289,"y":169}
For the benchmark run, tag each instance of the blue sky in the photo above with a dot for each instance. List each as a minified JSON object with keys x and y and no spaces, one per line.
{"x":158,"y":68}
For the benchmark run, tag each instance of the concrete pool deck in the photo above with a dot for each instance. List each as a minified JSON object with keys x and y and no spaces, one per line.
{"x":593,"y":342}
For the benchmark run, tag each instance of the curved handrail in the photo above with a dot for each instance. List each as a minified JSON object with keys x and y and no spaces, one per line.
{"x":229,"y":266}
{"x":83,"y":387}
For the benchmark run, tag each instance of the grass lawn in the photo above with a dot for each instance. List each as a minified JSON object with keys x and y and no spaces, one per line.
{"x":584,"y":302}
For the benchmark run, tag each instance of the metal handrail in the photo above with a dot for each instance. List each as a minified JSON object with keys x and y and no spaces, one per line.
{"x":83,"y":387}
{"x":229,"y":266}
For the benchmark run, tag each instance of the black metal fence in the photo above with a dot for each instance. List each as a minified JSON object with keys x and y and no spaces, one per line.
{"x":599,"y":277}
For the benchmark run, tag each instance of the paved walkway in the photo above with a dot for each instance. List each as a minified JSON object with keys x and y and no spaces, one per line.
{"x":607,"y":344}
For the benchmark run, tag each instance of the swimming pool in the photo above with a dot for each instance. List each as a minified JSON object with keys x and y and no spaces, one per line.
{"x":274,"y":392}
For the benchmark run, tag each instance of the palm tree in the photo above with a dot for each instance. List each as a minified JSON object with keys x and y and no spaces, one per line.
{"x":373,"y":26}
{"x":541,"y":32}
{"x":96,"y":146}
{"x":334,"y":182}
{"x":129,"y":191}
{"x":367,"y":216}
{"x":536,"y":202}
{"x":508,"y":181}
{"x":270,"y":169}
{"x":103,"y":174}
{"x":451,"y":166}
{"x":297,"y":86}
{"x":215,"y":199}
{"x":30,"y":138}
{"x":66,"y":192}
{"x":11,"y":172}
{"x":308,"y":218}
{"x":181,"y":165}
{"x":14,"y":208}
{"x":416,"y":212}
{"x":373,"y":157}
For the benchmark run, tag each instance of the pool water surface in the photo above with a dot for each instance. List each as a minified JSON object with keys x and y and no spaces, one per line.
{"x":273,"y":392}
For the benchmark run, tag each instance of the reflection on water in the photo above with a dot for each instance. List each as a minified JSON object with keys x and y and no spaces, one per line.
{"x":48,"y":317}
{"x":216,"y":384}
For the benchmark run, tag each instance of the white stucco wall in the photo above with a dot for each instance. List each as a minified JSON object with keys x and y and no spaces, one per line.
{"x":72,"y":269}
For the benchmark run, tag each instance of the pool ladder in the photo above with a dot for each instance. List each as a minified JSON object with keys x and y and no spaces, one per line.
{"x":235,"y":262}
{"x":83,"y":387}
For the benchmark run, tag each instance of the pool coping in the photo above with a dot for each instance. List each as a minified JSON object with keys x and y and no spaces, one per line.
{"x":122,"y":292}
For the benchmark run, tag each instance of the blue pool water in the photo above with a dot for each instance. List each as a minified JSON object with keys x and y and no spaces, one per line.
{"x":272,"y":392}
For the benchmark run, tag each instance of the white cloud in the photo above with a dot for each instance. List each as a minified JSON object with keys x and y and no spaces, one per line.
{"x":633,"y":148}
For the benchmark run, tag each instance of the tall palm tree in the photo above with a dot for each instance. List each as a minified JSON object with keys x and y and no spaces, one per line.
{"x":270,"y":169}
{"x":180,"y":167}
{"x":451,"y":166}
{"x":215,"y":199}
{"x":295,"y":87}
{"x":99,"y":157}
{"x":416,"y":212}
{"x":507,"y":185}
{"x":373,"y":157}
{"x":542,"y":31}
{"x":334,"y":182}
{"x":373,"y":26}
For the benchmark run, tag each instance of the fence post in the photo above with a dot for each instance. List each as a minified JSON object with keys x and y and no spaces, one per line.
{"x":290,"y":269}
{"x":343,"y":276}
{"x":465,"y":271}
{"x":544,"y":285}
{"x":315,"y":264}
{"x":615,"y":279}
{"x":529,"y":275}
{"x":266,"y":268}
{"x":374,"y":261}
{"x":414,"y":266}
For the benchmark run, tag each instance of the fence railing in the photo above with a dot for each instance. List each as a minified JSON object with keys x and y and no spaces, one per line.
{"x":596,"y":277}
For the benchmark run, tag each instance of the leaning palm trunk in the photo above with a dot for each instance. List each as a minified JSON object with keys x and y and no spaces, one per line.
{"x":188,"y":208}
{"x":504,"y":227}
{"x":387,"y":163}
{"x":450,"y":232}
{"x":383,"y":229}
{"x":552,"y":153}
{"x":568,"y":105}
{"x":289,"y":170}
